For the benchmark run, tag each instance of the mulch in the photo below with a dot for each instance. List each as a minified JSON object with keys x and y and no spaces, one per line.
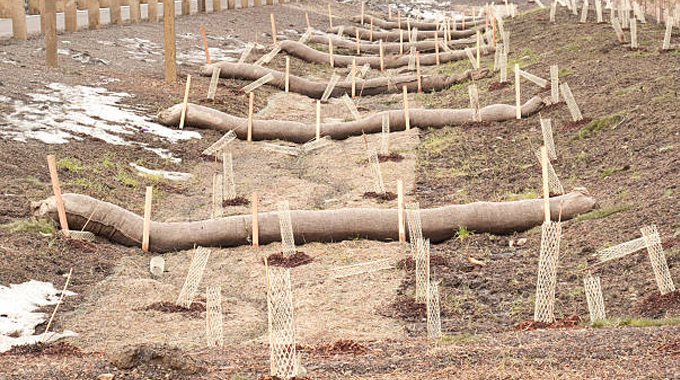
{"x":238,"y":201}
{"x":553,"y":106}
{"x":498,"y":85}
{"x":39,"y":348}
{"x":394,"y":157}
{"x":570,"y":321}
{"x":577,"y":124}
{"x":409,"y":264}
{"x":295,"y":260}
{"x":656,"y":305}
{"x":343,"y":346}
{"x":671,"y":348}
{"x":386,"y":196}
{"x":194,"y":311}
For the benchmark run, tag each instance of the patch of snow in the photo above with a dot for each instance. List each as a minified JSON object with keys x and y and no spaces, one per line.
{"x":141,"y":49}
{"x":173,"y":176}
{"x":18,"y":316}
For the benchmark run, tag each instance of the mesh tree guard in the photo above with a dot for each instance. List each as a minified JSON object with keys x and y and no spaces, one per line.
{"x":598,"y":10}
{"x":554,"y":84}
{"x":594,"y":298}
{"x":553,"y":180}
{"x":212,"y":89}
{"x":246,"y":52}
{"x":633,"y":33}
{"x":504,"y":67}
{"x":305,"y":37}
{"x":553,"y":8}
{"x":538,"y":81}
{"x":283,"y":358}
{"x":287,"y":239}
{"x":621,"y":250}
{"x":360,"y":268}
{"x":667,"y":35}
{"x":658,"y":259}
{"x":474,"y":102}
{"x":385,"y":135}
{"x":220,"y":144}
{"x":497,"y":57}
{"x":213,"y":316}
{"x":329,"y":89}
{"x":415,"y":229}
{"x":617,"y":28}
{"x":196,"y":268}
{"x":546,"y":129}
{"x":217,"y":196}
{"x":256,"y":84}
{"x":269,"y":56}
{"x":422,"y":269}
{"x":571,"y":102}
{"x":351,"y":107}
{"x":471,"y":57}
{"x":544,"y":308}
{"x":378,"y":184}
{"x":412,"y":58}
{"x":228,"y":184}
{"x":434,"y":322}
{"x":584,"y":12}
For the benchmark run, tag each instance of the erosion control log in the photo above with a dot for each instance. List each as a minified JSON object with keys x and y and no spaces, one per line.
{"x":438,"y":224}
{"x":373,"y":86}
{"x":309,"y":54}
{"x":207,"y":118}
{"x":365,"y":34}
{"x":392,"y":47}
{"x":421,"y":25}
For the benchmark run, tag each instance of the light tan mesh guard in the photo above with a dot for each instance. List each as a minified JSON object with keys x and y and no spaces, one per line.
{"x":422,"y":270}
{"x":283,"y":360}
{"x":474,"y":102}
{"x":434,"y":322}
{"x":196,"y":268}
{"x":329,"y":88}
{"x":544,"y":310}
{"x":553,"y":180}
{"x":378,"y":184}
{"x":415,"y":229}
{"x":621,"y":250}
{"x":287,"y":238}
{"x":360,"y":268}
{"x":213,"y":316}
{"x":571,"y":102}
{"x":256,"y":84}
{"x":546,"y":128}
{"x":228,"y":184}
{"x":594,"y":298}
{"x":658,"y":259}
{"x":385,"y":135}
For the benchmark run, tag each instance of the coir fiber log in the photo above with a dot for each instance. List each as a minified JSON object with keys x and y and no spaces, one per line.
{"x":421,"y":25}
{"x":393,"y":36}
{"x":314,"y":89}
{"x":124,"y":227}
{"x":207,"y":118}
{"x":308,"y":54}
{"x":390,"y":47}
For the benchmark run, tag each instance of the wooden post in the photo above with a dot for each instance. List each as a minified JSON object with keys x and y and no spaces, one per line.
{"x":50,"y":34}
{"x":205,"y":45}
{"x":463,"y":18}
{"x":19,"y":19}
{"x":371,"y":34}
{"x":389,"y":11}
{"x":318,"y":119}
{"x":401,"y":41}
{"x":330,"y":51}
{"x":256,"y":226}
{"x":354,"y":78}
{"x":92,"y":13}
{"x":546,"y":188}
{"x":479,"y":42}
{"x":201,"y":6}
{"x":407,"y":118}
{"x":147,"y":218}
{"x":169,"y":41}
{"x":184,"y":104}
{"x":382,"y":57}
{"x":436,"y":48}
{"x":330,"y":17}
{"x":309,"y":26}
{"x":257,"y":3}
{"x":114,"y":13}
{"x":399,"y":19}
{"x":420,"y":88}
{"x":400,"y":210}
{"x":363,"y":3}
{"x":287,"y":77}
{"x":251,"y":104}
{"x":493,"y":26}
{"x":63,"y":222}
{"x":186,"y":7}
{"x":518,"y":101}
{"x":217,"y":5}
{"x":231,"y":4}
{"x":358,"y":43}
{"x":152,"y":10}
{"x":135,"y":11}
{"x":271,"y":16}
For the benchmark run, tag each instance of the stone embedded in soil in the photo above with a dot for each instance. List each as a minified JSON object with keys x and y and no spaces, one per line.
{"x":154,"y":355}
{"x":386,"y":196}
{"x":295,"y":260}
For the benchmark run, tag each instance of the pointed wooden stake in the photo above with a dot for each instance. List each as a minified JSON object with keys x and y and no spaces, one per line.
{"x":400,"y":210}
{"x":256,"y":227}
{"x":205,"y":45}
{"x":251,"y":101}
{"x":407,"y":118}
{"x":63,"y":222}
{"x":273,"y":28}
{"x":184,"y":104}
{"x":147,"y":218}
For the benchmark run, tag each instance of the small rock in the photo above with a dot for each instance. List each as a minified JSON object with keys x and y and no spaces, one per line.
{"x":105,"y":376}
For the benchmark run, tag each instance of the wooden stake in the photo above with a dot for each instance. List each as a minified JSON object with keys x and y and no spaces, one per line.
{"x":400,"y":210}
{"x":147,"y":218}
{"x":71,"y":16}
{"x":56,"y":307}
{"x":201,"y":6}
{"x":382,"y":57}
{"x":231,"y":4}
{"x":217,"y":5}
{"x":546,"y":188}
{"x":407,"y":118}
{"x":63,"y":222}
{"x":518,"y":102}
{"x":401,"y":41}
{"x":50,"y":34}
{"x":318,"y":119}
{"x":330,"y":51}
{"x":436,"y":48}
{"x":169,"y":41}
{"x":420,"y":88}
{"x":152,"y":9}
{"x":186,"y":7}
{"x":363,"y":3}
{"x":479,"y":42}
{"x":330,"y":17}
{"x":114,"y":14}
{"x":463,"y":28}
{"x":307,"y":19}
{"x":184,"y":104}
{"x":271,"y":16}
{"x":371,"y":34}
{"x":256,"y":226}
{"x":19,"y":20}
{"x":287,"y":77}
{"x":389,"y":11}
{"x":92,"y":14}
{"x":251,"y":103}
{"x":399,"y":19}
{"x":135,"y":11}
{"x":358,"y":43}
{"x":205,"y":45}
{"x":354,"y":78}
{"x":493,"y":25}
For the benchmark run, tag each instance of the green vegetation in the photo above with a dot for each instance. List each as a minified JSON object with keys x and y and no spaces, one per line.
{"x":637,"y":322}
{"x":126,"y":179}
{"x":73,"y":166}
{"x":604,"y":212}
{"x":463,"y":233}
{"x":526,"y":194}
{"x":609,"y":171}
{"x":526,"y":57}
{"x":437,"y":142}
{"x":598,"y":124}
{"x":33,"y":224}
{"x":667,"y":96}
{"x":462,"y":338}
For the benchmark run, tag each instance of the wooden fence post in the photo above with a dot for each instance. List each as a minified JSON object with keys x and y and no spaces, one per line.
{"x":152,"y":10}
{"x":135,"y":11}
{"x":19,"y":19}
{"x":114,"y":12}
{"x":169,"y":43}
{"x":92,"y":14}
{"x":217,"y":5}
{"x":186,"y":7}
{"x":50,"y":33}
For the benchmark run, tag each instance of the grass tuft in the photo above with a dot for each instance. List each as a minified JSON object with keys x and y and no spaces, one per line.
{"x":604,"y":212}
{"x":637,"y":322}
{"x":33,"y":224}
{"x":598,"y":124}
